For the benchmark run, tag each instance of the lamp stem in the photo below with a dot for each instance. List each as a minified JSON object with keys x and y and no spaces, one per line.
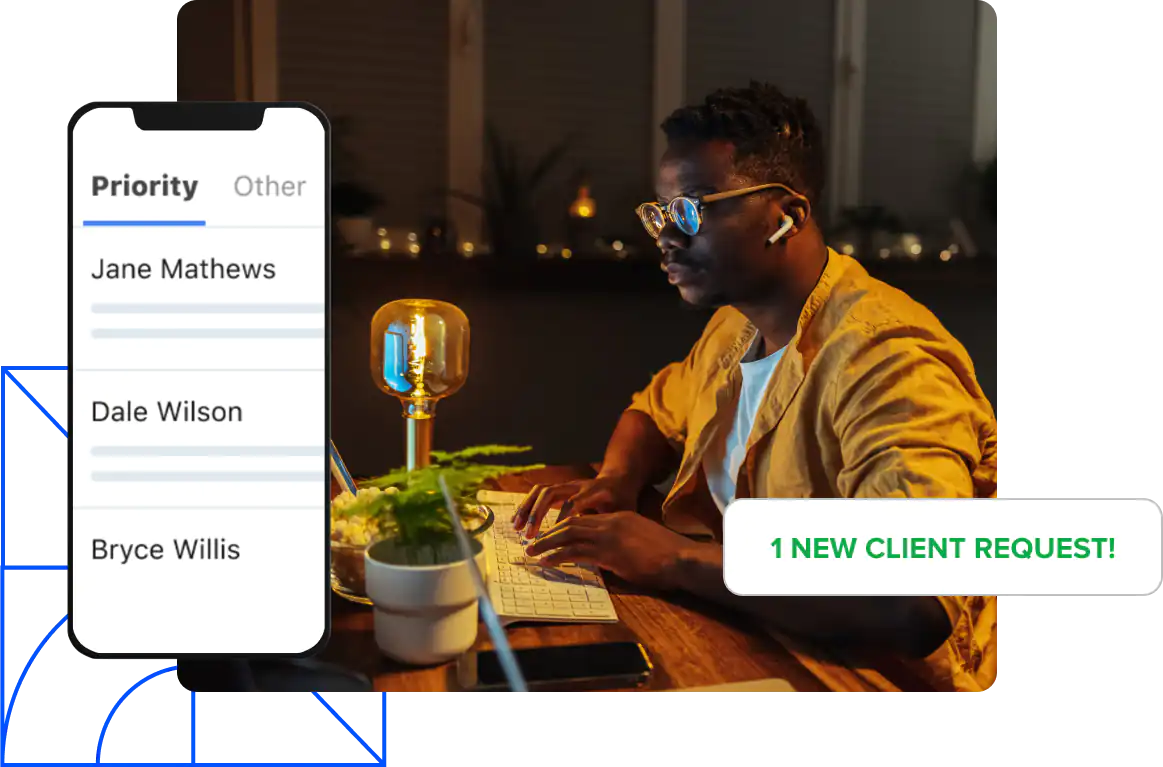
{"x":419,"y":438}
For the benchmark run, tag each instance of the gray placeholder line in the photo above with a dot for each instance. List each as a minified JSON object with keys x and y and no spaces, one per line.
{"x":208,"y":333}
{"x":233,"y":451}
{"x":208,"y":476}
{"x":208,"y":308}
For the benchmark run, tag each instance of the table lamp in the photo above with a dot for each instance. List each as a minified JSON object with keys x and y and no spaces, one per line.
{"x":419,"y":354}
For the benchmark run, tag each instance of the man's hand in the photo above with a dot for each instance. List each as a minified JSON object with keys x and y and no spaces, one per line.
{"x":625,"y":543}
{"x":599,"y":495}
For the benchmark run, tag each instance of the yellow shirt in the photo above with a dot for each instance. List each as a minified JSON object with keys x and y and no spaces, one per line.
{"x":873,"y":398}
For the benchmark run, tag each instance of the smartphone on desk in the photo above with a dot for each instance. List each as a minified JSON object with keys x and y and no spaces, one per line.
{"x":601,"y":666}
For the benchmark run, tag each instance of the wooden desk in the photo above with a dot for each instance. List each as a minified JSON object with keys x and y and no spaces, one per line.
{"x":691,"y":642}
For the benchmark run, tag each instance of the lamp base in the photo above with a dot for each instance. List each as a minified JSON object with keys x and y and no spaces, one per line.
{"x":419,"y":442}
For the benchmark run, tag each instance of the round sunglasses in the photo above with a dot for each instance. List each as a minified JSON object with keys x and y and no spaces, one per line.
{"x":687,"y":212}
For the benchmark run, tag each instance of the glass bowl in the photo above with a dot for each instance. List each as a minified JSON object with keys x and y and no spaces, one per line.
{"x":347,"y":575}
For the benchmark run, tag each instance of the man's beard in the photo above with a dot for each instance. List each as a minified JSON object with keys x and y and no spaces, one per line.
{"x":709,"y":300}
{"x":713,"y":301}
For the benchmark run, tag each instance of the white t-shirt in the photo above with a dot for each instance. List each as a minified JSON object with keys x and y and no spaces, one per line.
{"x":723,"y":458}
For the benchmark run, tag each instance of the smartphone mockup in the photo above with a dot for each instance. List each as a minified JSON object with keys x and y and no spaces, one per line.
{"x":198,"y":379}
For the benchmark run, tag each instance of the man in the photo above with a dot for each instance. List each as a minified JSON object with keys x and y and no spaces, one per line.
{"x":811,"y":380}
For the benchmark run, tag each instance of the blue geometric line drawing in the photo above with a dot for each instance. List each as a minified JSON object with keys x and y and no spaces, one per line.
{"x":36,"y":567}
{"x":16,"y":690}
{"x":347,"y":726}
{"x":384,"y":727}
{"x":38,"y":408}
{"x":12,"y":373}
{"x":36,"y":367}
{"x":139,"y":683}
{"x":4,"y":492}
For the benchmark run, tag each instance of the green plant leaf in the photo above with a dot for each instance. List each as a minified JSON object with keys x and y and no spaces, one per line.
{"x":417,"y":508}
{"x":550,"y":159}
{"x":509,"y":198}
{"x":477,"y":451}
{"x":392,"y":479}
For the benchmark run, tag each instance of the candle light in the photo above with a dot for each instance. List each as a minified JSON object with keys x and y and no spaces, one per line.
{"x":584,"y":206}
{"x":419,"y":354}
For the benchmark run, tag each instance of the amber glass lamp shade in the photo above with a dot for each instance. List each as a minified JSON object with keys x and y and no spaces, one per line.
{"x":419,"y":354}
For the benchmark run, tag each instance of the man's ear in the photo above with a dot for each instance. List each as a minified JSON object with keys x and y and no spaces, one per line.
{"x":800,"y":210}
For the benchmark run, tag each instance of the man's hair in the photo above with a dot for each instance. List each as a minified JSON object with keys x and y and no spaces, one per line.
{"x":776,"y":137}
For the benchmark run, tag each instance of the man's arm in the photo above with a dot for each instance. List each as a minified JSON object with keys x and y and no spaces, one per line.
{"x":649,"y":437}
{"x":645,"y":445}
{"x":911,"y":626}
{"x":908,"y":423}
{"x":909,"y":417}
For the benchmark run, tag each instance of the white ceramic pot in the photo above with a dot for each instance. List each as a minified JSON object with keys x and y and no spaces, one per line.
{"x":424,"y":614}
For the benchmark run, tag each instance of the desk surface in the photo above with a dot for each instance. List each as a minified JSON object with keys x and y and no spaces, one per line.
{"x":692,"y":643}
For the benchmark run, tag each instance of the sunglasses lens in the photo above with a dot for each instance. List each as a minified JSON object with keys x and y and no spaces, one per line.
{"x":686,"y":215}
{"x":652,"y":219}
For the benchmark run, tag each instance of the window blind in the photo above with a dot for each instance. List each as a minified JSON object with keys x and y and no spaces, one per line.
{"x":918,"y":106}
{"x":383,"y":64}
{"x":580,"y":70}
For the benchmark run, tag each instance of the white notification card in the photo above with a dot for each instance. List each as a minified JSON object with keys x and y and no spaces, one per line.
{"x":198,"y":479}
{"x":916,"y":546}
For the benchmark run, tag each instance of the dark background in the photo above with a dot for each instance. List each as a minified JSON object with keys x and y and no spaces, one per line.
{"x":1079,"y":325}
{"x":558,"y":346}
{"x":556,"y":355}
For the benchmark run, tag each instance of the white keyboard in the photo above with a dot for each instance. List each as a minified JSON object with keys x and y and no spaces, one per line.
{"x":522,"y":591}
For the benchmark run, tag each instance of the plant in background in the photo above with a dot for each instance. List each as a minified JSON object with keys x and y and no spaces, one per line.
{"x":987,"y":191}
{"x":411,"y":510}
{"x":350,"y":196}
{"x":511,"y":195}
{"x":349,"y":199}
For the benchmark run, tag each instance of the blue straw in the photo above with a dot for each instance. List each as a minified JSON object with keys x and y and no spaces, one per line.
{"x":340,"y":470}
{"x":496,"y":631}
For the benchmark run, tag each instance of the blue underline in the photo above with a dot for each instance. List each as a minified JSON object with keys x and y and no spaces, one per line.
{"x":143,"y":223}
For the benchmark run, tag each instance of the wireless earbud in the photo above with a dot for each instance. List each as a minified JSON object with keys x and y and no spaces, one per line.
{"x":788,"y":223}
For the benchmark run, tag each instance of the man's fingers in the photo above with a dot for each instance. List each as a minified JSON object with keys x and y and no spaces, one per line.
{"x":525,"y":508}
{"x":579,"y":520}
{"x":585,"y":501}
{"x":577,"y":553}
{"x":544,"y":502}
{"x":526,"y":505}
{"x":561,"y":535}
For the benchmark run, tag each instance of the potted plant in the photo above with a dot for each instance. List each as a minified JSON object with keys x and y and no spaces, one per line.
{"x":352,"y":206}
{"x":410,"y":568}
{"x":511,"y":195}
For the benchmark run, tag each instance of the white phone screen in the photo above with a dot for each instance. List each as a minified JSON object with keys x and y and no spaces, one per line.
{"x":198,"y":362}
